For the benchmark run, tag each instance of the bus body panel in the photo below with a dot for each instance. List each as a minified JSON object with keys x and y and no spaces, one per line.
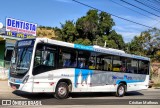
{"x":27,"y":87}
{"x":47,"y":81}
{"x":83,"y":80}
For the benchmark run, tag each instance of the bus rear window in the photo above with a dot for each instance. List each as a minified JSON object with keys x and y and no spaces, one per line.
{"x":143,"y":67}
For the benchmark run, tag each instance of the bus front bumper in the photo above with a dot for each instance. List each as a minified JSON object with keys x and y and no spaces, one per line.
{"x":20,"y":86}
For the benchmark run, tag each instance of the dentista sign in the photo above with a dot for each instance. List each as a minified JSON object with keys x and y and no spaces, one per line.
{"x":20,"y":27}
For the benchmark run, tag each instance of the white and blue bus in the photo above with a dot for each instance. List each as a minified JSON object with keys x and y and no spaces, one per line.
{"x":60,"y":68}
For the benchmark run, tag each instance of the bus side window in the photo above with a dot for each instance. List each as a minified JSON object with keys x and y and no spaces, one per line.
{"x":44,"y":59}
{"x":116,"y":64}
{"x":107,"y":63}
{"x":67,"y":58}
{"x":119,"y":64}
{"x":83,"y":59}
{"x":92,"y":62}
{"x":143,"y":67}
{"x":37,"y":59}
{"x":91,"y":65}
{"x":132,"y":65}
{"x":82,"y":63}
{"x":104,"y":62}
{"x":49,"y":61}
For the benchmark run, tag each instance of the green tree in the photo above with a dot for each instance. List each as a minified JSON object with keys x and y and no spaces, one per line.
{"x":58,"y":33}
{"x":87,"y":26}
{"x":95,"y":28}
{"x":135,"y":46}
{"x":148,"y":43}
{"x":105,"y":24}
{"x":68,"y":31}
{"x":117,"y":39}
{"x":83,"y":41}
{"x":151,"y":41}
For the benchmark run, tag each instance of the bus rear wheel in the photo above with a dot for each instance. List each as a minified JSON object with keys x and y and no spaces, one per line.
{"x":120,"y":90}
{"x":61,"y":91}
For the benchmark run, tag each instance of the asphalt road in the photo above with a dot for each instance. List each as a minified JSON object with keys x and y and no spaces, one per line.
{"x":80,"y":99}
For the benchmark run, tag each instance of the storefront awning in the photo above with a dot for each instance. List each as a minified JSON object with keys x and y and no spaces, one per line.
{"x":9,"y":37}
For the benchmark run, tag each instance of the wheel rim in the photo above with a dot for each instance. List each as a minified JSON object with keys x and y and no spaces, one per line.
{"x":121,"y":90}
{"x":62,"y":91}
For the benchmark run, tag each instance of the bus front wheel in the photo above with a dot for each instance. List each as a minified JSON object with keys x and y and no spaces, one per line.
{"x":61,"y":91}
{"x":120,"y":90}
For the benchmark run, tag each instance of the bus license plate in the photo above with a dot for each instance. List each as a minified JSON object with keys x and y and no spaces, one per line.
{"x":14,"y":87}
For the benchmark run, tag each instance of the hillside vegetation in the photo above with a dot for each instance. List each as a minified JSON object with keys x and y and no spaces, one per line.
{"x":48,"y":32}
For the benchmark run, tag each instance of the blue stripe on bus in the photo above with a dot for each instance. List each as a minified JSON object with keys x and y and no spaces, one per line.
{"x":78,"y":46}
{"x":129,"y":81}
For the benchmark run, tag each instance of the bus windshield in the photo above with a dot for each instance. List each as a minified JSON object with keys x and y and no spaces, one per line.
{"x":21,"y":58}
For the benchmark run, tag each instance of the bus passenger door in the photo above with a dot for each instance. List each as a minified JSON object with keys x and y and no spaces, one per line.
{"x":44,"y":64}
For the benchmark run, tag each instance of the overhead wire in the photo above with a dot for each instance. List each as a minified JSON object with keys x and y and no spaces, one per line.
{"x":146,"y":5}
{"x":140,"y":8}
{"x":133,"y":10}
{"x":151,"y":3}
{"x":111,"y":14}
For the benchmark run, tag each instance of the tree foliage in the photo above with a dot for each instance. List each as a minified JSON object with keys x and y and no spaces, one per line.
{"x":92,"y":29}
{"x":68,"y":31}
{"x":148,"y":44}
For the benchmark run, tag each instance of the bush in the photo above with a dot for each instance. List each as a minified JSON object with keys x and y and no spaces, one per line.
{"x":156,"y":80}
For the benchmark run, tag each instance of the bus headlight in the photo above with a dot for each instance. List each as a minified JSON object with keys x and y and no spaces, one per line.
{"x":26,"y":79}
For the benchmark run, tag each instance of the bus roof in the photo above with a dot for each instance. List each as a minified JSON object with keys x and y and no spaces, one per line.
{"x":92,"y":48}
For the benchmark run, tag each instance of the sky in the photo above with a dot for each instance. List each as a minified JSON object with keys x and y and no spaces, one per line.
{"x":54,"y":12}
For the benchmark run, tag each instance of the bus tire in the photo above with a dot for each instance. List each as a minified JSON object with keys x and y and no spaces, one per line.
{"x":62,"y":91}
{"x":120,"y":90}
